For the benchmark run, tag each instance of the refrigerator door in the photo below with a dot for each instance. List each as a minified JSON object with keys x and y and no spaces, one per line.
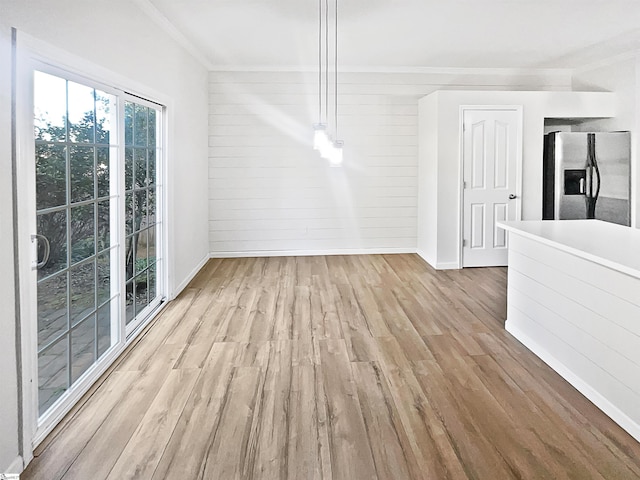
{"x":570,"y":152}
{"x":613,"y":154}
{"x":574,"y":178}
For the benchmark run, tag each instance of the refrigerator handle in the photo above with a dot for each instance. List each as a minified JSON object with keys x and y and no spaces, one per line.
{"x":593,"y":172}
{"x":595,"y":178}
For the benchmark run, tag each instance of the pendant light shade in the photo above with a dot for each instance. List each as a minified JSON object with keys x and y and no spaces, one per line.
{"x":320,"y":137}
{"x":336,"y":155}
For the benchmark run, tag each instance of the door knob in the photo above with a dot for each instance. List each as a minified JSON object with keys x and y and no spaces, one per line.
{"x":511,"y":196}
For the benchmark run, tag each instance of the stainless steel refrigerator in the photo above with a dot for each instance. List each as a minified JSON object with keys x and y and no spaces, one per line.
{"x":587,"y":175}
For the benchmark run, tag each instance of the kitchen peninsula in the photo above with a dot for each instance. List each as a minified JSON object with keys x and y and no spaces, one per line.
{"x":574,"y":300}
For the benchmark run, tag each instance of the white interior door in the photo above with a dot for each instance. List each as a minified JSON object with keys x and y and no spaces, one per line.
{"x":491,"y":158}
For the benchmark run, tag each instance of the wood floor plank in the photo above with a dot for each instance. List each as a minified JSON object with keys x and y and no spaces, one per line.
{"x":337,"y":270}
{"x":56,"y":458}
{"x":260,"y":323}
{"x":189,"y":324}
{"x":112,"y":436}
{"x":308,"y":440}
{"x":367,"y":305}
{"x":269,"y":437}
{"x":525,"y":455}
{"x":192,"y":437}
{"x":141,"y":454}
{"x":423,"y":315}
{"x":233,"y":328}
{"x":283,"y":317}
{"x":303,"y":271}
{"x":402,"y":328}
{"x":228,"y":455}
{"x":427,"y":435}
{"x":207,"y":321}
{"x":352,"y":320}
{"x":349,"y":448}
{"x":204,"y":278}
{"x":586,"y":429}
{"x":478,"y":455}
{"x":139,"y":358}
{"x":390,"y":446}
{"x":337,"y":367}
{"x":325,"y":321}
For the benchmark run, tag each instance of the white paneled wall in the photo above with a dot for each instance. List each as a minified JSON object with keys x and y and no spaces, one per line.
{"x":270,"y":193}
{"x":579,"y":313}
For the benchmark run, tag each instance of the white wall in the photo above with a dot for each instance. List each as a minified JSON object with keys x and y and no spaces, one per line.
{"x":427,"y":177}
{"x":444,"y":235}
{"x":623,"y":77}
{"x":9,"y":411}
{"x":119,"y":38}
{"x":270,"y":193}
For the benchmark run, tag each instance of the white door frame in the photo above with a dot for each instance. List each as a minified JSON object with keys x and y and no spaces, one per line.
{"x":518,"y":187}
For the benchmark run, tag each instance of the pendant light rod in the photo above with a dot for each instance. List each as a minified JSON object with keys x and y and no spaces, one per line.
{"x":329,"y":149}
{"x":326,"y":51}
{"x":319,"y":61}
{"x":336,"y":72}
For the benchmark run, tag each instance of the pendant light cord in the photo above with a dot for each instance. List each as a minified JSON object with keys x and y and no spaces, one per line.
{"x":326,"y":40}
{"x":336,"y":73}
{"x":319,"y":61}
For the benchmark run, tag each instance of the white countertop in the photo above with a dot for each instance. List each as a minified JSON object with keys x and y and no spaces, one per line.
{"x":608,"y":244}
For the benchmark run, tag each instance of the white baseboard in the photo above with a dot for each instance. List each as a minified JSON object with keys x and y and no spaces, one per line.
{"x":583,"y":387}
{"x":438,"y":265}
{"x":447,"y":266}
{"x":425,"y":257}
{"x":17,"y":466}
{"x":189,"y":277}
{"x":308,"y":253}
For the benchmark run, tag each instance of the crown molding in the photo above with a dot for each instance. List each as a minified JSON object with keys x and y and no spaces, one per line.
{"x":382,"y":69}
{"x":163,"y":22}
{"x":606,"y":62}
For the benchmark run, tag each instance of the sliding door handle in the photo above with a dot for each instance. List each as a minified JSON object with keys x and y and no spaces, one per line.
{"x":47,"y":251}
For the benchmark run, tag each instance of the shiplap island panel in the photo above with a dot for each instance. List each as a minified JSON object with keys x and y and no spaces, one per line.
{"x":574,"y":299}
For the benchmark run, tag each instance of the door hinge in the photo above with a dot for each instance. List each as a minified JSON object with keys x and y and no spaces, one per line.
{"x":464,"y":185}
{"x":464,"y":243}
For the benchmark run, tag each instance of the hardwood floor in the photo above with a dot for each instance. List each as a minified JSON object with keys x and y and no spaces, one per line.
{"x":352,"y":367}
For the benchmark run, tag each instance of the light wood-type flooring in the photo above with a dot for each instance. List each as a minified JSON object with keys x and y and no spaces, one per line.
{"x":342,"y":367}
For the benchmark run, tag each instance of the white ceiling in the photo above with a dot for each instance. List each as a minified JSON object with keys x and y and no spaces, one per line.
{"x":410,"y":33}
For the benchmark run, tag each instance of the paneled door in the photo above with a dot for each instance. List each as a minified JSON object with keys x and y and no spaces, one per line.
{"x":491,"y":152}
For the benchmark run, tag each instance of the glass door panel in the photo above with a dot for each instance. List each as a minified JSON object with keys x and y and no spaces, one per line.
{"x":73,"y":135}
{"x":142,"y":127}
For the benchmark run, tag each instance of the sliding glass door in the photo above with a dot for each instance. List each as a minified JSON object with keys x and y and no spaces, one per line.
{"x":73,"y":133}
{"x":142,"y":219}
{"x":98,"y":229}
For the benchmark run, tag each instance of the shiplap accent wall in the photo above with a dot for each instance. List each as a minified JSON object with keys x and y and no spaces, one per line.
{"x":271,"y":194}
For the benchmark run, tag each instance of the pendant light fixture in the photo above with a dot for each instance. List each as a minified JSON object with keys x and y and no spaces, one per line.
{"x":328,"y":149}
